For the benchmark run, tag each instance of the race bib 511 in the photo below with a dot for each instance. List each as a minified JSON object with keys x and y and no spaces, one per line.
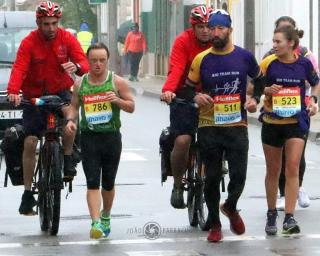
{"x":227,"y":109}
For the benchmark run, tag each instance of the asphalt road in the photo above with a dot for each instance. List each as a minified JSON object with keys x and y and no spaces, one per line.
{"x":141,"y":201}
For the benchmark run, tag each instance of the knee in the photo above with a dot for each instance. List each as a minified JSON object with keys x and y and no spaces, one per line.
{"x":108,"y":185}
{"x":30,"y":143}
{"x":93,"y":184}
{"x":182,"y":142}
{"x":292,"y":171}
{"x":273,"y":174}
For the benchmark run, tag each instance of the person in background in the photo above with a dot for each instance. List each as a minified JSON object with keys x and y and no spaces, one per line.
{"x":135,"y":45}
{"x":303,"y":198}
{"x":101,"y":95}
{"x":84,"y":36}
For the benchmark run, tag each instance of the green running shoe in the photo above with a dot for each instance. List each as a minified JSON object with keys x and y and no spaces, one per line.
{"x":96,"y":231}
{"x":105,"y":223}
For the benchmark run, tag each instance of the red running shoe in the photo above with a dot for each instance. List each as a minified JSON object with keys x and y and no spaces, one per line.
{"x":215,"y":234}
{"x":236,"y":222}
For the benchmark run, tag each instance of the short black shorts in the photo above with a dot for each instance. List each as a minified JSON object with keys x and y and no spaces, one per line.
{"x":100,"y":158}
{"x":34,"y":120}
{"x":183,"y":119}
{"x":277,"y":134}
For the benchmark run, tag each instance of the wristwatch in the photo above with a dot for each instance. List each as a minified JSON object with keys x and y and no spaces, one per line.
{"x":315,"y":98}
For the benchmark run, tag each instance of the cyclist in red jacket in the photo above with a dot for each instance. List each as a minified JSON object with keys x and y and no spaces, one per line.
{"x":46,"y":60}
{"x":184,"y":118}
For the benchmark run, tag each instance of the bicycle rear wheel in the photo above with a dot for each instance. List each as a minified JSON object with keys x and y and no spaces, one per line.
{"x":52,"y":162}
{"x":202,"y":210}
{"x":191,"y":188}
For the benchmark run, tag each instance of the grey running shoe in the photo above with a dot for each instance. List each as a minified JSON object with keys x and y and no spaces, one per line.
{"x":271,"y":225}
{"x":290,"y":226}
{"x":176,"y":199}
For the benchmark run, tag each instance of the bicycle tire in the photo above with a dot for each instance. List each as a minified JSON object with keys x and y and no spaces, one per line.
{"x":191,"y":194}
{"x":55,"y":185}
{"x":51,"y":183}
{"x":202,"y":210}
{"x":43,"y":163}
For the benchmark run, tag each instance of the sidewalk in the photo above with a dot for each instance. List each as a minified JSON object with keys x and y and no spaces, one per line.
{"x":151,"y":87}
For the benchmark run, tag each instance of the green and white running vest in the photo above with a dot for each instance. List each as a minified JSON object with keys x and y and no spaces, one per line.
{"x":98,"y":114}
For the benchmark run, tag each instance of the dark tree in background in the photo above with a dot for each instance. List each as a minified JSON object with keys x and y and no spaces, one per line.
{"x":74,"y":12}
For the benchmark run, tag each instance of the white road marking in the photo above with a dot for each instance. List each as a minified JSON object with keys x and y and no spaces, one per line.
{"x":163,"y":253}
{"x":156,"y":241}
{"x":131,"y":156}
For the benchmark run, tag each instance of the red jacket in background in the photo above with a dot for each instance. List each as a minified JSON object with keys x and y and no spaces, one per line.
{"x":135,"y":42}
{"x":37,"y":69}
{"x":184,"y":49}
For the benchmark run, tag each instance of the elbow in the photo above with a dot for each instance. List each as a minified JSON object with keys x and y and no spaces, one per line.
{"x":131,"y":109}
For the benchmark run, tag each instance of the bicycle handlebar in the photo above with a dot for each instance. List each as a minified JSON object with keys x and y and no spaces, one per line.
{"x":48,"y":100}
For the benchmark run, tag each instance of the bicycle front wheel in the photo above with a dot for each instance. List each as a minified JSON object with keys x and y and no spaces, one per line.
{"x":50,"y":195}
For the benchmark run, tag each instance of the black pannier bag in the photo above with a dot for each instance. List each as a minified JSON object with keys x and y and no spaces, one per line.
{"x":166,"y":142}
{"x":12,"y":148}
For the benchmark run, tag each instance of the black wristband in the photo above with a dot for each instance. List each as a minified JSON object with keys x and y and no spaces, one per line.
{"x":315,"y":98}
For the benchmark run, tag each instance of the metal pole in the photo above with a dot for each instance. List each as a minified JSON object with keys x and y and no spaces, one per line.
{"x":12,"y":5}
{"x":114,"y":61}
{"x":311,"y":24}
{"x":249,"y":24}
{"x":99,"y":22}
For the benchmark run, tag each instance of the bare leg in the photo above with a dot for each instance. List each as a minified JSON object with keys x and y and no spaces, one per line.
{"x":68,"y":140}
{"x":107,"y":197}
{"x":68,"y":143}
{"x":294,"y":148}
{"x":179,"y":158}
{"x":273,"y":157}
{"x":29,"y":160}
{"x":94,"y":203}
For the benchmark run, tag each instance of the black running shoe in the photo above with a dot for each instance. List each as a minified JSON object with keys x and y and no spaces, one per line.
{"x":176,"y":199}
{"x":271,"y":225}
{"x":290,"y":226}
{"x":27,"y":203}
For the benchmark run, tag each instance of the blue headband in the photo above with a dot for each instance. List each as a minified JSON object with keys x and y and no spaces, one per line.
{"x":220,"y":18}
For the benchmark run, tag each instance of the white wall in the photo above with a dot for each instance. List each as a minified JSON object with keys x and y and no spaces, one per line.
{"x":191,"y":2}
{"x":237,"y":16}
{"x":268,"y":11}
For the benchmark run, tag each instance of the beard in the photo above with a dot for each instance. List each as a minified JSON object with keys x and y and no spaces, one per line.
{"x":220,"y":43}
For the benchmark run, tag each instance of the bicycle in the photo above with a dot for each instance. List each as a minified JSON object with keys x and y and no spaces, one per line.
{"x":194,"y":178}
{"x":194,"y":185}
{"x":48,"y":178}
